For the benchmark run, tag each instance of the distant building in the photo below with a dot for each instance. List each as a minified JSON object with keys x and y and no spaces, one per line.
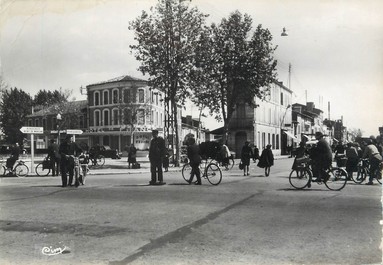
{"x":269,"y":123}
{"x":194,"y":127}
{"x":122,"y":111}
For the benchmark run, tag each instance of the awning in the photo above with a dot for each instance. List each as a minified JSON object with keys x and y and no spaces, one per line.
{"x":289,"y":134}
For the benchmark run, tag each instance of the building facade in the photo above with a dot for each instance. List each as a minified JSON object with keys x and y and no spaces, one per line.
{"x":123,"y":111}
{"x":268,"y":123}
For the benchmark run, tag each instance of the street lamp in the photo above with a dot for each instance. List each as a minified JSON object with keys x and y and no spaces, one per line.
{"x":58,"y":118}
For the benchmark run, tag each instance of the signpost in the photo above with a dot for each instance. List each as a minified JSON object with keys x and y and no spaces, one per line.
{"x":32,"y":131}
{"x":74,"y":132}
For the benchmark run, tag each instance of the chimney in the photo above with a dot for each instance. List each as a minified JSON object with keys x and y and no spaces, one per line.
{"x":310,"y":106}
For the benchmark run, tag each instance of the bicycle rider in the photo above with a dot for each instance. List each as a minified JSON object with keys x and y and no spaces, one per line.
{"x":371,"y":152}
{"x":15,"y":152}
{"x":321,"y":156}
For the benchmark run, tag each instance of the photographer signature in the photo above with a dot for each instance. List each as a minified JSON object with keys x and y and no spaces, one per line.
{"x":51,"y":251}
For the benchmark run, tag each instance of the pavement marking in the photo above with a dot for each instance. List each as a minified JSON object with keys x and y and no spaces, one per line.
{"x":179,"y":234}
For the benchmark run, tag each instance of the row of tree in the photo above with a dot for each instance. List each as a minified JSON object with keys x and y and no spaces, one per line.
{"x":16,"y":105}
{"x":218,"y":66}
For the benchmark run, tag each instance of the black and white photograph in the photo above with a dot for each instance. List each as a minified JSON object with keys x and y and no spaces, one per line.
{"x":191,"y":132}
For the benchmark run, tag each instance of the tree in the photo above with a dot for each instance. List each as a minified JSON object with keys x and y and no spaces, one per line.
{"x":231,"y":68}
{"x":167,"y":39}
{"x":15,"y":105}
{"x":45,"y":98}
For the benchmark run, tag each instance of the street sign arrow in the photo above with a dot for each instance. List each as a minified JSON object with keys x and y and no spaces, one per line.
{"x":74,"y":131}
{"x":32,"y":130}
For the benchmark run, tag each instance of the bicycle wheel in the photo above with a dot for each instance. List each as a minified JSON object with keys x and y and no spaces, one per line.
{"x":300,"y":178}
{"x":100,"y":161}
{"x":378,"y":175}
{"x":337,"y":179}
{"x":360,"y":176}
{"x":213,"y":174}
{"x":230,"y":163}
{"x":21,"y":170}
{"x":186,"y":171}
{"x":41,"y":171}
{"x":3,"y":170}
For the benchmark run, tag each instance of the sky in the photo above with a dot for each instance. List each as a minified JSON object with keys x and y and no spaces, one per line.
{"x":335,"y":48}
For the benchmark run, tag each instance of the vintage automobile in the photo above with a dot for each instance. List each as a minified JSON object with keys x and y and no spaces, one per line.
{"x":105,"y":151}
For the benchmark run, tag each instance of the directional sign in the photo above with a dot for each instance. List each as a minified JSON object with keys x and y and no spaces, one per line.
{"x":32,"y":130}
{"x":74,"y":132}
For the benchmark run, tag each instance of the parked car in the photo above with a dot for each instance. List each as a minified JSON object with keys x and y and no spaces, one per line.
{"x":105,"y":151}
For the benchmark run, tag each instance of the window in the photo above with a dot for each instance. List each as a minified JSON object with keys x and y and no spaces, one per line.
{"x":54,"y":123}
{"x":44,"y":124}
{"x":96,"y":98}
{"x":241,"y":113}
{"x":36,"y":122}
{"x":141,"y":117}
{"x":115,"y":117}
{"x":81,"y":121}
{"x":268,"y":138}
{"x":115,"y":96}
{"x":277,"y":140}
{"x":127,"y":96}
{"x":127,"y":116}
{"x":281,"y":98}
{"x":106,"y":117}
{"x":273,"y":141}
{"x":106,"y":97}
{"x":97,"y":118}
{"x":141,"y":96}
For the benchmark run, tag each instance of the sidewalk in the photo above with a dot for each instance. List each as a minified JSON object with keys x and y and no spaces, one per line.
{"x":120,"y":166}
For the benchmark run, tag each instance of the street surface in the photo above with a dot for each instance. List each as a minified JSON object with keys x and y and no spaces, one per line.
{"x":120,"y":219}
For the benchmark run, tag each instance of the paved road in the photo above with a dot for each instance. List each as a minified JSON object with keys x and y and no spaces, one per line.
{"x":119,"y":219}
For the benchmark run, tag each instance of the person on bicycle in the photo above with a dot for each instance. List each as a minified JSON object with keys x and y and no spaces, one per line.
{"x":224,"y":154}
{"x":371,"y":152}
{"x":15,"y":152}
{"x":193,"y":153}
{"x":67,"y":149}
{"x":321,"y":156}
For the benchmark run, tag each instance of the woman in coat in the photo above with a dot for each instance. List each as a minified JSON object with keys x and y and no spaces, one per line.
{"x":266,"y":160}
{"x":246,"y":154}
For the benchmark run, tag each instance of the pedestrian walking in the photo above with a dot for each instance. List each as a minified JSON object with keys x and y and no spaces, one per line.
{"x":246,"y":154}
{"x":67,"y":150}
{"x":132,"y":156}
{"x":156,"y":156}
{"x":266,"y":160}
{"x":194,"y":156}
{"x":54,"y":157}
{"x":166,"y":160}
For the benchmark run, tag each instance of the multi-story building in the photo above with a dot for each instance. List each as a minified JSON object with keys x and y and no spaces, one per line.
{"x":122,"y":111}
{"x":268,"y":123}
{"x":57,"y":119}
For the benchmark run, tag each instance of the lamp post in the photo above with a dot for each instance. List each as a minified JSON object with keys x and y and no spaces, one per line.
{"x":58,"y":118}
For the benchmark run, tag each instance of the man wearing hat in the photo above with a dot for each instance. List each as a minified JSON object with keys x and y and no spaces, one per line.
{"x":372,"y":153}
{"x":321,"y":156}
{"x":67,"y":149}
{"x":156,"y":156}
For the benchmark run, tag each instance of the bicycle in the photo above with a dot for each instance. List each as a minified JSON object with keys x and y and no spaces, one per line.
{"x":44,"y":168}
{"x":210,"y":171}
{"x":97,"y":161}
{"x":20,"y":169}
{"x":364,"y":171}
{"x":228,"y":164}
{"x":302,"y":176}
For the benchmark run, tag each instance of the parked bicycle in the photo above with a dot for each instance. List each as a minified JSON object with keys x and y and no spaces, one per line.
{"x":20,"y":169}
{"x":226,"y":164}
{"x":96,"y":161}
{"x":44,"y":168}
{"x":209,"y":170}
{"x":301,"y":177}
{"x":364,"y":172}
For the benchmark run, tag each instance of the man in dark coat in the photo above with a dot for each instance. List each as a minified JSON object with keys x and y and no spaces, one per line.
{"x":156,"y":156}
{"x":194,"y":157}
{"x":321,"y":156}
{"x":54,"y":157}
{"x":67,"y":149}
{"x":15,"y":152}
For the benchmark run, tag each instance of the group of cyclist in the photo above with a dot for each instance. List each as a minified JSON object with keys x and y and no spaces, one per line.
{"x":345,"y":155}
